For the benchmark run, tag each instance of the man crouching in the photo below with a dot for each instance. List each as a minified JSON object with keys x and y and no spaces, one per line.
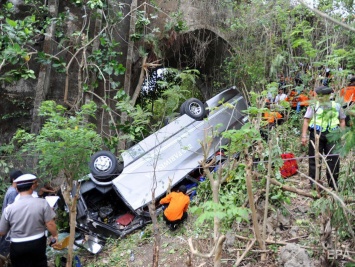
{"x":176,"y":212}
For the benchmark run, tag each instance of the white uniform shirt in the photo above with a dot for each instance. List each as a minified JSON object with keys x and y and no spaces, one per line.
{"x":26,"y":218}
{"x":279,"y":98}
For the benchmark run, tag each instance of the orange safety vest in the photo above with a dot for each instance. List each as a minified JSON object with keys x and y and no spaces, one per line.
{"x":271,"y":116}
{"x":303,"y":99}
{"x":348,"y":93}
{"x":292,"y":99}
{"x":178,"y":204}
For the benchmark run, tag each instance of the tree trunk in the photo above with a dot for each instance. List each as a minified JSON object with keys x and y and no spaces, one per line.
{"x":132,"y":30}
{"x":251,"y":202}
{"x":217,"y":222}
{"x":156,"y":232}
{"x":140,"y":82}
{"x":71,"y":201}
{"x":72,"y":231}
{"x":218,"y":251}
{"x":127,"y":80}
{"x":95,"y":46}
{"x":44,"y":70}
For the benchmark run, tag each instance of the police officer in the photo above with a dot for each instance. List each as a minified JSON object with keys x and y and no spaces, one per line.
{"x":26,"y":220}
{"x":321,"y":118}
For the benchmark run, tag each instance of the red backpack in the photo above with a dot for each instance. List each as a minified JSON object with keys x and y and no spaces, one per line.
{"x":290,"y":166}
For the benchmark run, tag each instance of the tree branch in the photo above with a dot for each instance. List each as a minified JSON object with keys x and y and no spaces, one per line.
{"x":323,"y":15}
{"x":210,"y":254}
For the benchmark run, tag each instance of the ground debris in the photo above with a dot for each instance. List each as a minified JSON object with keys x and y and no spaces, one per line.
{"x":292,"y":255}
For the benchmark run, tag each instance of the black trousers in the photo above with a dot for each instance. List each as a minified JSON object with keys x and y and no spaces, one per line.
{"x":184,"y":217}
{"x":333,"y":162}
{"x":347,"y":119}
{"x":29,"y":253}
{"x":4,"y":246}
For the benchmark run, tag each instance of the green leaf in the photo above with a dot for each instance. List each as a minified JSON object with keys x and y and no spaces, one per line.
{"x":11,"y":22}
{"x":9,"y":5}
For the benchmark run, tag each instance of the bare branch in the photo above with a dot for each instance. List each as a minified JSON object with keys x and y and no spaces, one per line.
{"x":245,"y":252}
{"x":194,"y":251}
{"x":323,"y":15}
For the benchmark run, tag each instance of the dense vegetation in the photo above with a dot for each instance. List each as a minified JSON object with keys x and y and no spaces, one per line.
{"x":268,"y":40}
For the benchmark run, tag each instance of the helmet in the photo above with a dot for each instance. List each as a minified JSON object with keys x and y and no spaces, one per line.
{"x":324,"y":90}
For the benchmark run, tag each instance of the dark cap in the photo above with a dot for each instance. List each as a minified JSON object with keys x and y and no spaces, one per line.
{"x":14,"y":174}
{"x":352,"y":80}
{"x":324,"y":90}
{"x":182,"y":189}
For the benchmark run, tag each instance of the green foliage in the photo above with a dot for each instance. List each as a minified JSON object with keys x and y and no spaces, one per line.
{"x":345,"y":139}
{"x":279,"y":197}
{"x":276,"y":36}
{"x":14,"y":40}
{"x":92,"y":4}
{"x":164,"y":94}
{"x":135,"y":128}
{"x":17,"y":39}
{"x":235,"y":187}
{"x":276,"y":64}
{"x":243,"y":138}
{"x":301,"y":38}
{"x":177,"y":23}
{"x":288,"y":134}
{"x":62,"y":220}
{"x":65,"y":142}
{"x":104,"y":61}
{"x":340,"y":218}
{"x":4,"y":181}
{"x":118,"y":251}
{"x":17,"y":74}
{"x":224,"y":211}
{"x":233,"y":194}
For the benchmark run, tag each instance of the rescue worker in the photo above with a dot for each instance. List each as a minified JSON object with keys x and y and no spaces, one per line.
{"x":321,"y":118}
{"x":46,"y":190}
{"x":348,"y":95}
{"x":292,"y":98}
{"x":9,"y":198}
{"x":26,"y":220}
{"x":271,"y":117}
{"x":176,"y":212}
{"x":328,"y":77}
{"x":282,"y":82}
{"x":281,"y":96}
{"x":302,"y":101}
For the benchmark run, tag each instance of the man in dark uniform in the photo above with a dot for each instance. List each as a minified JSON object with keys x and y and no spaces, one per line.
{"x":11,"y":192}
{"x":26,"y":220}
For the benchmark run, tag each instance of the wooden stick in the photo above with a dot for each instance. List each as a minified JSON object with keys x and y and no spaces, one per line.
{"x":210,"y":254}
{"x":245,"y":252}
{"x":295,"y":238}
{"x":252,"y":250}
{"x":292,"y":189}
{"x":277,"y":242}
